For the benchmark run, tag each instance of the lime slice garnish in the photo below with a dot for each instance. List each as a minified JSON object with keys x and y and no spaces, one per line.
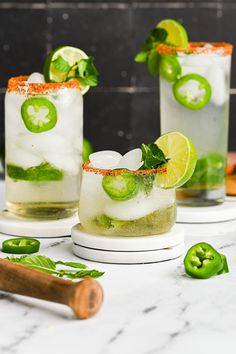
{"x":182,"y":157}
{"x":177,"y":34}
{"x":58,"y":66}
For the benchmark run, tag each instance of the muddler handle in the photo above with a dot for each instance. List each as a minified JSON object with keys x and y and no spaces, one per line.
{"x":84,"y":297}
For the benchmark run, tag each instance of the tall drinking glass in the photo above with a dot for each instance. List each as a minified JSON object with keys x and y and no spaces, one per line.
{"x":43,"y":130}
{"x":194,"y":99}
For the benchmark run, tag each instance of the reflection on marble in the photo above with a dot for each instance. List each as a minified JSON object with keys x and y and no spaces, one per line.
{"x":148,"y":309}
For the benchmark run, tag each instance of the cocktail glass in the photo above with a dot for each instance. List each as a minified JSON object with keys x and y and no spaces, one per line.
{"x":43,"y":124}
{"x":194,"y":99}
{"x":121,"y":202}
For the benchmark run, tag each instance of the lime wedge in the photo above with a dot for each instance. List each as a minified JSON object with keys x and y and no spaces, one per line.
{"x":58,"y":66}
{"x":177,"y":34}
{"x":182,"y":157}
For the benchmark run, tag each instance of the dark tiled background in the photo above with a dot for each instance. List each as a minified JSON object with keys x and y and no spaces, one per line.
{"x":123,"y":111}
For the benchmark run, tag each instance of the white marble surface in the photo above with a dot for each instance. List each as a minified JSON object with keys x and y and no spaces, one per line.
{"x":148,"y":309}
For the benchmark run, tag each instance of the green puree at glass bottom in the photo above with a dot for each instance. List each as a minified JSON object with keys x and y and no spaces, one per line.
{"x":209,"y":172}
{"x":158,"y":222}
{"x":41,"y":173}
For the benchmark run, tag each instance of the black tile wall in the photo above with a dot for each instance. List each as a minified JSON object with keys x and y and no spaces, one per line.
{"x":123,"y":111}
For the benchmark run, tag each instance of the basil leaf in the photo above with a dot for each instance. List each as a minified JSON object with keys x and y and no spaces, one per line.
{"x":87,"y":73}
{"x":152,"y":156}
{"x":61,"y":64}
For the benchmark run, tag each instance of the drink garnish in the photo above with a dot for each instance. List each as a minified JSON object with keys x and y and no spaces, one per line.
{"x":47,"y":265}
{"x":66,"y":63}
{"x":39,"y":114}
{"x":192,"y":91}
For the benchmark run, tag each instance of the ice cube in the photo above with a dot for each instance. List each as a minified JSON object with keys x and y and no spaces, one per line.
{"x":64,"y":162}
{"x":132,"y":160}
{"x":105,"y":159}
{"x":45,"y":143}
{"x":217,"y":80}
{"x":132,"y":209}
{"x":22,"y":158}
{"x":36,"y":78}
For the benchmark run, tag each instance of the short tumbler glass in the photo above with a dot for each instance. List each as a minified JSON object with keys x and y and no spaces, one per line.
{"x":44,"y":135}
{"x":125,"y":203}
{"x":204,"y":69}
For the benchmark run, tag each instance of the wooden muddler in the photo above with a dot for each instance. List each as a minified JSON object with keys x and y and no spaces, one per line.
{"x":84,"y":297}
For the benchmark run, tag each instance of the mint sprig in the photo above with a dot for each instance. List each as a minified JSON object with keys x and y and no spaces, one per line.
{"x":87,"y":73}
{"x":149,"y":55}
{"x":152,"y":156}
{"x":47,"y":265}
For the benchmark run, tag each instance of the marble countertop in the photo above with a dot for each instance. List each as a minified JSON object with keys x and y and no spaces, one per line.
{"x":148,"y":309}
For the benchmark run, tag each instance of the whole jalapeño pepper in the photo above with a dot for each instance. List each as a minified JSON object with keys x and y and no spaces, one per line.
{"x":203,"y":261}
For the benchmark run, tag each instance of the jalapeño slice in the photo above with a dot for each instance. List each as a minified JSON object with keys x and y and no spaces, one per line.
{"x":192,"y":91}
{"x":20,"y":246}
{"x":122,"y":187}
{"x":39,"y":114}
{"x":170,"y":68}
{"x":203,"y":261}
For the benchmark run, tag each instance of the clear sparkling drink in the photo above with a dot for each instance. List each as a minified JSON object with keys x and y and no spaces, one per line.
{"x":194,"y":99}
{"x":43,"y":130}
{"x":124,"y":203}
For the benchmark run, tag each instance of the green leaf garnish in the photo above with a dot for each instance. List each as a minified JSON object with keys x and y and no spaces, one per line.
{"x":87,"y":73}
{"x":152,"y":156}
{"x":149,"y":55}
{"x":47,"y":265}
{"x":61,"y":64}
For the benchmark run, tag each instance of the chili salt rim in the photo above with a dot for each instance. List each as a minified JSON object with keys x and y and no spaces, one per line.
{"x":108,"y":172}
{"x":220,"y":48}
{"x":19,"y":84}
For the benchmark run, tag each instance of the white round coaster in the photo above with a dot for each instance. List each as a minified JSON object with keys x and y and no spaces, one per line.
{"x":125,"y":243}
{"x":138,"y":257}
{"x":13,"y":225}
{"x":208,"y":214}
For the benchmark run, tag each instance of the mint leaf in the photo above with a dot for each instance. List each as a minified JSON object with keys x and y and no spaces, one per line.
{"x":87,"y":73}
{"x":152,"y":157}
{"x":141,"y":57}
{"x":61,"y":64}
{"x":149,"y":55}
{"x":72,"y":264}
{"x":85,"y":273}
{"x":41,"y":173}
{"x":41,"y":263}
{"x":153,"y":62}
{"x":146,"y":182}
{"x":47,"y":265}
{"x":157,"y":35}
